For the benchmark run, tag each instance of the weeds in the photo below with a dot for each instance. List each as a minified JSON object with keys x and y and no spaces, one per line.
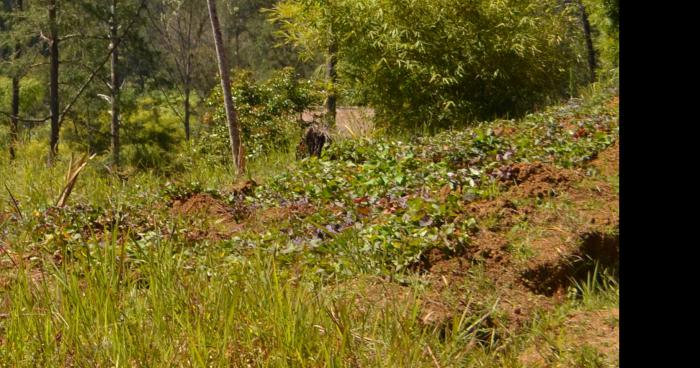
{"x":115,"y":277}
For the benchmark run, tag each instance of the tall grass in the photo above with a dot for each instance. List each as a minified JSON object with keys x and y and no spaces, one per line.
{"x":166,"y":308}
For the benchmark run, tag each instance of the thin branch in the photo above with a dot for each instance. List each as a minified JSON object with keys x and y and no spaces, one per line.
{"x":24,"y":120}
{"x":14,"y":203}
{"x":79,"y":35}
{"x":170,"y":105}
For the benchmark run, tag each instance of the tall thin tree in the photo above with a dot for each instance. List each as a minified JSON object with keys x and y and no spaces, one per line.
{"x":583,"y":14}
{"x":332,"y":75}
{"x":114,"y":82}
{"x":53,"y":80}
{"x":231,"y":116}
{"x":14,"y":119}
{"x":181,"y":29}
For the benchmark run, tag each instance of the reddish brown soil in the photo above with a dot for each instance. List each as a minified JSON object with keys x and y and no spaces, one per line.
{"x":538,"y":180}
{"x":564,"y":241}
{"x":275,"y":214}
{"x":215,"y":220}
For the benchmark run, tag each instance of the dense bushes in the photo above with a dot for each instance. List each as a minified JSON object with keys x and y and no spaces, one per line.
{"x":461,"y":61}
{"x":605,"y":18}
{"x":268,"y":112}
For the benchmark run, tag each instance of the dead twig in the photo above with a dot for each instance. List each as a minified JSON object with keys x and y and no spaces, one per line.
{"x":14,"y":203}
{"x":74,"y":170}
{"x":435,"y":361}
{"x":5,"y":250}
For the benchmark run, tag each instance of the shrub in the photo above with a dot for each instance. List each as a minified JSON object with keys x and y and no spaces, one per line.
{"x":437,"y":63}
{"x":152,"y":135}
{"x":605,"y":18}
{"x":268,"y":113}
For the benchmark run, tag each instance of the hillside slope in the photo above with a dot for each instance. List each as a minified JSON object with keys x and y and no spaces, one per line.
{"x":495,"y":245}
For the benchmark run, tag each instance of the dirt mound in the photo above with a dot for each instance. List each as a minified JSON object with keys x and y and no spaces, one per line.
{"x":528,"y":251}
{"x":201,"y":204}
{"x":208,"y":217}
{"x":243,"y":188}
{"x":285,"y":212}
{"x":597,"y":250}
{"x":537,"y":180}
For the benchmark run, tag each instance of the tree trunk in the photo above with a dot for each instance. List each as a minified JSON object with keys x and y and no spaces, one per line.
{"x":231,"y":117}
{"x":187,"y":111}
{"x":14,"y":122}
{"x":14,"y":119}
{"x":53,"y":82}
{"x":188,"y":84}
{"x":114,"y":129}
{"x":332,"y":79}
{"x":589,"y":40}
{"x":238,"y":47}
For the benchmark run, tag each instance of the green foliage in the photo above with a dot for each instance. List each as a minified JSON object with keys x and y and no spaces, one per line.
{"x":32,"y":93}
{"x":268,"y":113}
{"x":605,"y":18}
{"x":153,"y":136}
{"x":397,"y":200}
{"x":151,"y":133}
{"x":117,"y":276}
{"x":440,"y":63}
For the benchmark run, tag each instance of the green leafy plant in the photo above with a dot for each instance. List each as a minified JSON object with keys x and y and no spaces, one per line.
{"x":269,"y":112}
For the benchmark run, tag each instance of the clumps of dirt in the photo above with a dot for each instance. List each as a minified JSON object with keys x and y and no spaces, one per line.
{"x":202,"y":204}
{"x":208,"y":217}
{"x":500,"y":213}
{"x":553,"y":278}
{"x":234,"y":210}
{"x":438,"y":261}
{"x":530,"y":266}
{"x":288,"y":210}
{"x":240,"y":189}
{"x":536,"y":180}
{"x":488,"y":247}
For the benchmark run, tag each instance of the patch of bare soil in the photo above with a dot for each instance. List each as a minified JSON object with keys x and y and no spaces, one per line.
{"x":208,"y":217}
{"x":290,"y":210}
{"x":538,"y":180}
{"x":564,"y":246}
{"x":555,"y":277}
